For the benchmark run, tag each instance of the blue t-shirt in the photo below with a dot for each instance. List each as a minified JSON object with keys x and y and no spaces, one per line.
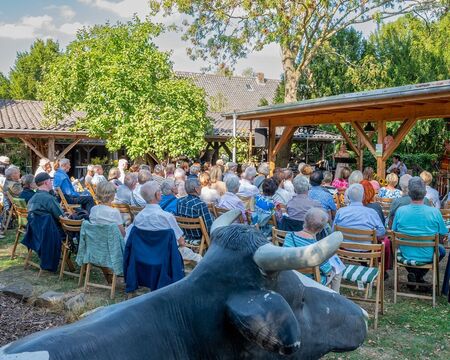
{"x":418,"y":220}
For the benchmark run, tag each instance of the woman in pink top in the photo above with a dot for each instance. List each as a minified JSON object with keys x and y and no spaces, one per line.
{"x":342,"y":182}
{"x":368,"y":175}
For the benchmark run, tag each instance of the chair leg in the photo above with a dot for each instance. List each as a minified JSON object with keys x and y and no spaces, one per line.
{"x":377,"y":302}
{"x":40,"y":273}
{"x":434,"y":280}
{"x":113,"y":286}
{"x":86,"y":279}
{"x":395,"y":280}
{"x":8,"y":219}
{"x":80,"y":280}
{"x":63,"y":262}
{"x":16,"y":242}
{"x":382,"y":292}
{"x":27,"y":259}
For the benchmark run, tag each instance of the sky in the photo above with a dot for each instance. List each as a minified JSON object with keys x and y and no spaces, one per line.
{"x":23,"y":21}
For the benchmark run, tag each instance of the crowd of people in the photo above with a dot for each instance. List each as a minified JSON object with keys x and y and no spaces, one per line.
{"x":305,"y":202}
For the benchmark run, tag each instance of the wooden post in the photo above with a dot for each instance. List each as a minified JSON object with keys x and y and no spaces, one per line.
{"x":250,"y":142}
{"x":271,"y":155}
{"x":51,"y":149}
{"x":381,"y":163}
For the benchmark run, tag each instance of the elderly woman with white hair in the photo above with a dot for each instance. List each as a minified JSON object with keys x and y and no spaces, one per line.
{"x":44,"y":166}
{"x":123,"y":193}
{"x":247,"y":188}
{"x":263,"y":172}
{"x":90,"y":172}
{"x":230,"y":200}
{"x":12,"y":183}
{"x":316,"y":219}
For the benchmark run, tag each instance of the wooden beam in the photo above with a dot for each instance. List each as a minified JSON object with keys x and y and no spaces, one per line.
{"x":67,"y":149}
{"x":51,"y":149}
{"x":227,"y":150}
{"x":250,"y":142}
{"x":381,"y":163}
{"x":271,"y":156}
{"x":348,"y":140}
{"x":402,"y":131}
{"x":32,"y":147}
{"x":364,"y":139}
{"x":285,"y":137}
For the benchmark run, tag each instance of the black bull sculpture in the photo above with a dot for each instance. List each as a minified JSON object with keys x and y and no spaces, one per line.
{"x":241,"y":301}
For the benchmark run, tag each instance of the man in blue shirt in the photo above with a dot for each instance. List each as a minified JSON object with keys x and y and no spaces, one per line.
{"x":418,"y":219}
{"x":321,"y":194}
{"x":168,"y":199}
{"x":62,"y":181}
{"x":356,"y":215}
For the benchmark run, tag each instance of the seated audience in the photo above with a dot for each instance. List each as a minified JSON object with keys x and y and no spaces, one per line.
{"x":306,"y":170}
{"x":368,"y":175}
{"x":192,"y":207}
{"x":12,"y":183}
{"x":321,"y":194}
{"x":44,"y":166}
{"x":113,"y":177}
{"x":123,"y":193}
{"x":98,"y":175}
{"x":169,"y":171}
{"x":206,"y":166}
{"x":134,"y":168}
{"x":417,"y":219}
{"x":103,"y":213}
{"x":355,"y":177}
{"x":326,"y":182}
{"x":288,"y":177}
{"x":194,"y":170}
{"x":230,"y":200}
{"x":153,"y":218}
{"x":42,"y":202}
{"x":180,"y":178}
{"x":220,"y":164}
{"x":136,"y":198}
{"x":230,"y":169}
{"x":145,"y":167}
{"x":247,"y":188}
{"x":62,"y":181}
{"x":263,"y":172}
{"x":28,"y":187}
{"x":158,"y":174}
{"x":265,"y":205}
{"x":432,"y":194}
{"x":315,"y":221}
{"x":169,"y":196}
{"x":405,"y":199}
{"x":281,"y":196}
{"x":368,"y":200}
{"x":208,"y":194}
{"x":215,"y":175}
{"x":356,"y":215}
{"x":390,"y":191}
{"x":123,"y":166}
{"x":89,"y":174}
{"x":299,"y":205}
{"x":342,"y":183}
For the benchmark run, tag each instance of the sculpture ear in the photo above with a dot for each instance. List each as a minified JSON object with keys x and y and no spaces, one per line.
{"x":265,"y":318}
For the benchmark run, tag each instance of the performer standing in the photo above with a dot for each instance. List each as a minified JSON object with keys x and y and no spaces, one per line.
{"x":397,"y":166}
{"x":342,"y":153}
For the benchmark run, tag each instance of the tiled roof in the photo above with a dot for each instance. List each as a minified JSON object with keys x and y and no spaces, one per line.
{"x":27,"y":115}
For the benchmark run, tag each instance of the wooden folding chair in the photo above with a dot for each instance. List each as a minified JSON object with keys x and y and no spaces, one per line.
{"x":86,"y":268}
{"x":186,"y":223}
{"x":385,"y":205}
{"x":446,"y":216}
{"x":371,"y":272}
{"x":278,"y":237}
{"x":69,"y":208}
{"x":212,"y":209}
{"x":220,"y":211}
{"x":9,"y":213}
{"x":356,"y":235}
{"x":22,"y":221}
{"x":248,"y":201}
{"x":124,"y":210}
{"x":69,"y":226}
{"x":134,"y":210}
{"x":431,"y":241}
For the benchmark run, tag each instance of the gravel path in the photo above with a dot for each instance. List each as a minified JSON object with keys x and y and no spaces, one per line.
{"x":18,"y":319}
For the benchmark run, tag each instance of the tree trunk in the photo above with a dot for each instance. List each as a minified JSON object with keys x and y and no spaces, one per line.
{"x":291,"y":77}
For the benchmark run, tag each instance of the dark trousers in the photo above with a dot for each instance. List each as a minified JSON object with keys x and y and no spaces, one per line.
{"x":420,"y":273}
{"x":86,"y":201}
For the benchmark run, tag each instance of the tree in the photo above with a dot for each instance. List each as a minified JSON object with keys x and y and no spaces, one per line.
{"x":4,"y":87}
{"x":228,"y":30}
{"x":248,"y":72}
{"x":129,"y":92}
{"x":29,"y":68}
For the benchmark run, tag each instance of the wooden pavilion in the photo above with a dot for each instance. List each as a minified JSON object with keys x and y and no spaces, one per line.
{"x":405,"y":104}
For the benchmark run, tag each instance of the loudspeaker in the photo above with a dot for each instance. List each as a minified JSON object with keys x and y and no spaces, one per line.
{"x":260,"y":137}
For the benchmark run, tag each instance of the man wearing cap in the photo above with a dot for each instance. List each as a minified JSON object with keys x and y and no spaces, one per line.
{"x":42,"y":202}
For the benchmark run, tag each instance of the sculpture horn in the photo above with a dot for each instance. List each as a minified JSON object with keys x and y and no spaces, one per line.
{"x":225,"y":219}
{"x":274,"y":258}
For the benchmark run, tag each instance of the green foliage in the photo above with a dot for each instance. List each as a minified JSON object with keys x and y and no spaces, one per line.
{"x":30,"y":67}
{"x":129,"y":92}
{"x":413,"y":161}
{"x":4,"y":87}
{"x":17,"y":152}
{"x":218,"y":103}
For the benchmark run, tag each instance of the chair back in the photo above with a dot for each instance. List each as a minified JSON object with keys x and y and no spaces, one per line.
{"x":123,"y":208}
{"x":212,"y":209}
{"x":220,"y":211}
{"x":134,"y":210}
{"x":370,"y":254}
{"x":445,"y":214}
{"x":69,"y":225}
{"x":22,"y":216}
{"x":278,"y":236}
{"x":186,"y":223}
{"x":91,"y":190}
{"x":358,"y":236}
{"x":248,"y":201}
{"x":385,"y":204}
{"x":65,"y":205}
{"x":430,"y":241}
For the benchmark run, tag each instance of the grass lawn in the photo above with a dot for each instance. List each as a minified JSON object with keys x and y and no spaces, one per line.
{"x":410,"y":329}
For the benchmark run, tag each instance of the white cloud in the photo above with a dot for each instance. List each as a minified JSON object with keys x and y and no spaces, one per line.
{"x":71,"y":28}
{"x":123,"y":8}
{"x":37,"y":22}
{"x":65,"y":11}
